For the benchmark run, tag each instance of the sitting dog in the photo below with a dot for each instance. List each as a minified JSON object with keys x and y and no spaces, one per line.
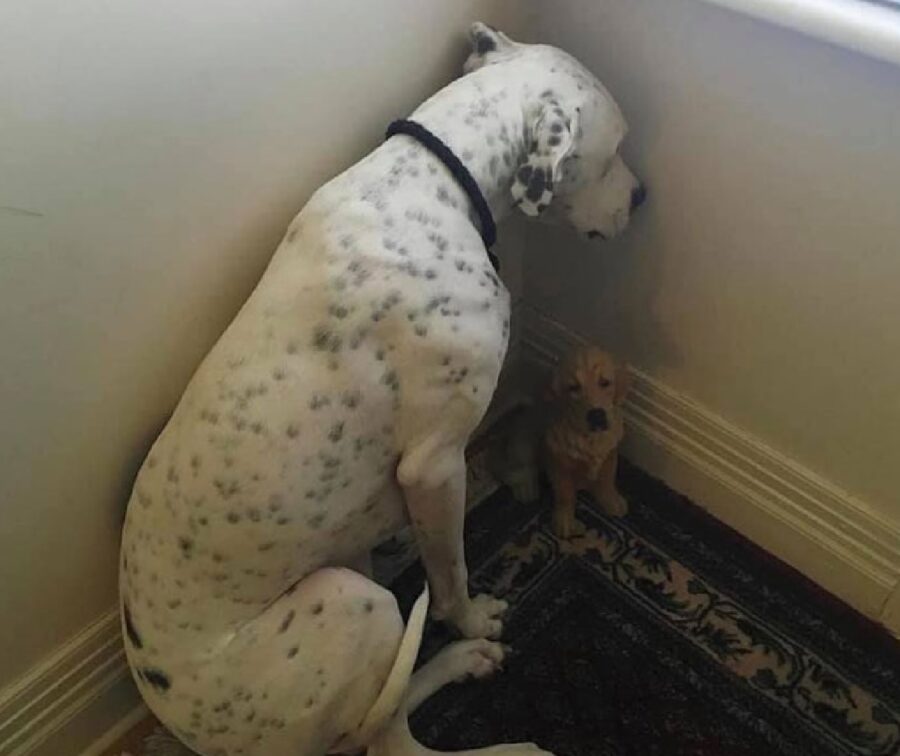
{"x":335,"y":409}
{"x":583,"y":434}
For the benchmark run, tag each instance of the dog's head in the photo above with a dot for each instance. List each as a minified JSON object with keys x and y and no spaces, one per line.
{"x":588,"y":386}
{"x":572,"y":170}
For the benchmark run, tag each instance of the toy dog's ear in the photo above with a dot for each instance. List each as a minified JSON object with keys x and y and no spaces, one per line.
{"x":554,"y":388}
{"x":623,"y":383}
{"x":553,"y":135}
{"x":485,"y":40}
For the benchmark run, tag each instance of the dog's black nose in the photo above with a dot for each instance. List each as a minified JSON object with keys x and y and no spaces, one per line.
{"x":638,"y":196}
{"x":597,"y":420}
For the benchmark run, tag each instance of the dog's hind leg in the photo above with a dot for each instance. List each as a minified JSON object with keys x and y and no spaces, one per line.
{"x":604,"y":488}
{"x":397,"y":740}
{"x":457,"y":662}
{"x":321,"y":669}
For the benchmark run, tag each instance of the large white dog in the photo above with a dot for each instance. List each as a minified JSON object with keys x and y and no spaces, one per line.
{"x":335,"y":409}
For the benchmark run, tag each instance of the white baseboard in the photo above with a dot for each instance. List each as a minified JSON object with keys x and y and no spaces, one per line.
{"x":890,"y":614}
{"x":826,"y":533}
{"x":118,"y":730}
{"x":61,"y":705}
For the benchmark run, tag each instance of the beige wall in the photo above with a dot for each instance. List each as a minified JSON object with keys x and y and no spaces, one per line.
{"x":763,"y":278}
{"x":151,"y":155}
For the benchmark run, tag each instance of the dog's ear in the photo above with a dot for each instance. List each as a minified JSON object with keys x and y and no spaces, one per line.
{"x":554,"y":388}
{"x":553,"y":134}
{"x":623,"y":382}
{"x":485,"y":41}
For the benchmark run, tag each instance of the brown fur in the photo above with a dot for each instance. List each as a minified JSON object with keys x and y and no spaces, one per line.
{"x":580,"y":455}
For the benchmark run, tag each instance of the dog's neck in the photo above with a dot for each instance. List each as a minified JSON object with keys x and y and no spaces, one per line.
{"x":482,"y":118}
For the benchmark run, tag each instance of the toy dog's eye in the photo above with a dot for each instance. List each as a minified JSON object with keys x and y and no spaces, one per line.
{"x":603,"y":383}
{"x":574,"y":388}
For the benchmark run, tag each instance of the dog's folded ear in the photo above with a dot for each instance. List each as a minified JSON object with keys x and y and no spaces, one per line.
{"x":553,"y":134}
{"x":559,"y":379}
{"x":485,"y":41}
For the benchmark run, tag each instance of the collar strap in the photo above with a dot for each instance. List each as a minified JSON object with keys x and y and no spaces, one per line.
{"x":443,"y":153}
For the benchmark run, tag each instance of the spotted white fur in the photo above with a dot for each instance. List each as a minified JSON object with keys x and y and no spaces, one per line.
{"x":334,"y":409}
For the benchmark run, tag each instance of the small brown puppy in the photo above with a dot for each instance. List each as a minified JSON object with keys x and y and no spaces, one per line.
{"x":583,"y":434}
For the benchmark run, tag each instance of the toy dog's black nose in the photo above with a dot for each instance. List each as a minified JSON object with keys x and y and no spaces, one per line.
{"x":638,"y":196}
{"x":597,"y":420}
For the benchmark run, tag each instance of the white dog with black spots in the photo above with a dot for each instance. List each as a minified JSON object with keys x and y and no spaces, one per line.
{"x":335,"y":410}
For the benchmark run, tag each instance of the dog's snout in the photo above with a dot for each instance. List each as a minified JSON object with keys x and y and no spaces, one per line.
{"x":597,"y":420}
{"x":638,"y":196}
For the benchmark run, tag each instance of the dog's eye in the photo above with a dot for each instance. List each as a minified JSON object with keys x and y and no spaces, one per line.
{"x":603,"y":383}
{"x":573,"y":388}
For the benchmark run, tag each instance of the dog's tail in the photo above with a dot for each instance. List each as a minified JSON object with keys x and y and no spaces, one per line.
{"x":391,"y":698}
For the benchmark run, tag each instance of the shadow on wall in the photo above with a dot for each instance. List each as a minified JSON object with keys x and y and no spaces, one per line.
{"x":578,"y":281}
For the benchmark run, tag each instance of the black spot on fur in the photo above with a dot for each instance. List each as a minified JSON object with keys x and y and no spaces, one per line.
{"x":536,"y":186}
{"x":336,"y":433}
{"x":286,"y":622}
{"x":318,"y":401}
{"x":391,"y":380}
{"x":130,"y":629}
{"x":326,"y":340}
{"x":157,"y":678}
{"x":317,"y":607}
{"x":484,"y":44}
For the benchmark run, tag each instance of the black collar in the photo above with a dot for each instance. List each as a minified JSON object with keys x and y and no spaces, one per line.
{"x":465,"y":179}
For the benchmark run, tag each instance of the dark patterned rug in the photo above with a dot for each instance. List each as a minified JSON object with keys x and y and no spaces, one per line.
{"x":663,"y":633}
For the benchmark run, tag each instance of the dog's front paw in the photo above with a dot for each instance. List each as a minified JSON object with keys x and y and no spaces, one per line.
{"x":524,"y":485}
{"x":480,"y":617}
{"x":566,"y":526}
{"x":614,"y":504}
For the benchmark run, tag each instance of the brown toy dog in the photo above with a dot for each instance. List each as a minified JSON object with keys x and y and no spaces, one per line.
{"x":583,"y":434}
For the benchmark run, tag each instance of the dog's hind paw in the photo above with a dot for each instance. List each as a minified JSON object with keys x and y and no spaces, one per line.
{"x":476,"y":658}
{"x":614,"y":504}
{"x":509,"y":749}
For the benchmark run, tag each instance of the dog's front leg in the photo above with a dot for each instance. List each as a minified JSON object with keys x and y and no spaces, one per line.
{"x":604,"y":487}
{"x":437,"y":509}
